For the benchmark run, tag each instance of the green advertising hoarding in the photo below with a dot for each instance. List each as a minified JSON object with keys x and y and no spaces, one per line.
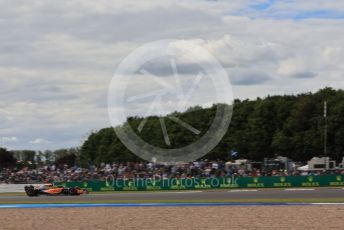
{"x":209,"y":183}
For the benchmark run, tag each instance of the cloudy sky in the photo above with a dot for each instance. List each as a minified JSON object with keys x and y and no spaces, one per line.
{"x":57,"y":58}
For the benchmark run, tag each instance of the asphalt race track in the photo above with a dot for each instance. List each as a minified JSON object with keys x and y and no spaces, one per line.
{"x":187,"y":196}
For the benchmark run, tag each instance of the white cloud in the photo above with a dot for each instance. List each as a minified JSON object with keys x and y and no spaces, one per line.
{"x":57,"y":58}
{"x":39,"y":141}
{"x":295,"y":67}
{"x":6,"y":140}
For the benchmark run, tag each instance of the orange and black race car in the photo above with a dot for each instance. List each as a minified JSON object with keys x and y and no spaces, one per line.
{"x":51,"y":190}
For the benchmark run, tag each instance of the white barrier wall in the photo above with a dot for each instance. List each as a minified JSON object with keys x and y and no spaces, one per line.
{"x":12,"y":187}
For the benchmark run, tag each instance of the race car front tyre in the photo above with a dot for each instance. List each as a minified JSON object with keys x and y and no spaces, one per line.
{"x":31,"y":191}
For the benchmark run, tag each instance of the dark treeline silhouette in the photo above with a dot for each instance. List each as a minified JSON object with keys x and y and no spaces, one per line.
{"x":289,"y":125}
{"x":6,"y":159}
{"x":28,"y":158}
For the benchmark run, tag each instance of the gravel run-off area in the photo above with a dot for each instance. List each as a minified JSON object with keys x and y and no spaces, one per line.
{"x":245,"y":217}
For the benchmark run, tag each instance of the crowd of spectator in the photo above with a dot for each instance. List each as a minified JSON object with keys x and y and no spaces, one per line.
{"x":139,"y":170}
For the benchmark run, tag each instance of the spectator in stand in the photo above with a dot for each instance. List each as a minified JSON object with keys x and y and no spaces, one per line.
{"x":137,"y":170}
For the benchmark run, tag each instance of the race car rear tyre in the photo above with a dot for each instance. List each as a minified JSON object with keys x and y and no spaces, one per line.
{"x":73,"y":192}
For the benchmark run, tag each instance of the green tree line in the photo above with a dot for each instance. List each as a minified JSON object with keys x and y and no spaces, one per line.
{"x":31,"y":159}
{"x":288,"y":125}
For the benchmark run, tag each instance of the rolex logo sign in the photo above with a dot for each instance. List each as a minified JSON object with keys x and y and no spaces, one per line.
{"x":282,"y":183}
{"x":338,"y":181}
{"x":310,"y":182}
{"x":256,"y":183}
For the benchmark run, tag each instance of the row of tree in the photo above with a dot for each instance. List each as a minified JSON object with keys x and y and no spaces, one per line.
{"x":289,"y":125}
{"x":32,"y":159}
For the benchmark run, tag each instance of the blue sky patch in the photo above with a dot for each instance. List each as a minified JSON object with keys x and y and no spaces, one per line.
{"x":263,"y":6}
{"x":329,"y":14}
{"x":265,"y":10}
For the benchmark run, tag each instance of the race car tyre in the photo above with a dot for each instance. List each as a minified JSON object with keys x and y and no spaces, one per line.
{"x":73,"y":192}
{"x":30,"y":191}
{"x":66,"y":192}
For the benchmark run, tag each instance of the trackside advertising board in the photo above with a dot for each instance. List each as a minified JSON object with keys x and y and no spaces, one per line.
{"x":211,"y":183}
